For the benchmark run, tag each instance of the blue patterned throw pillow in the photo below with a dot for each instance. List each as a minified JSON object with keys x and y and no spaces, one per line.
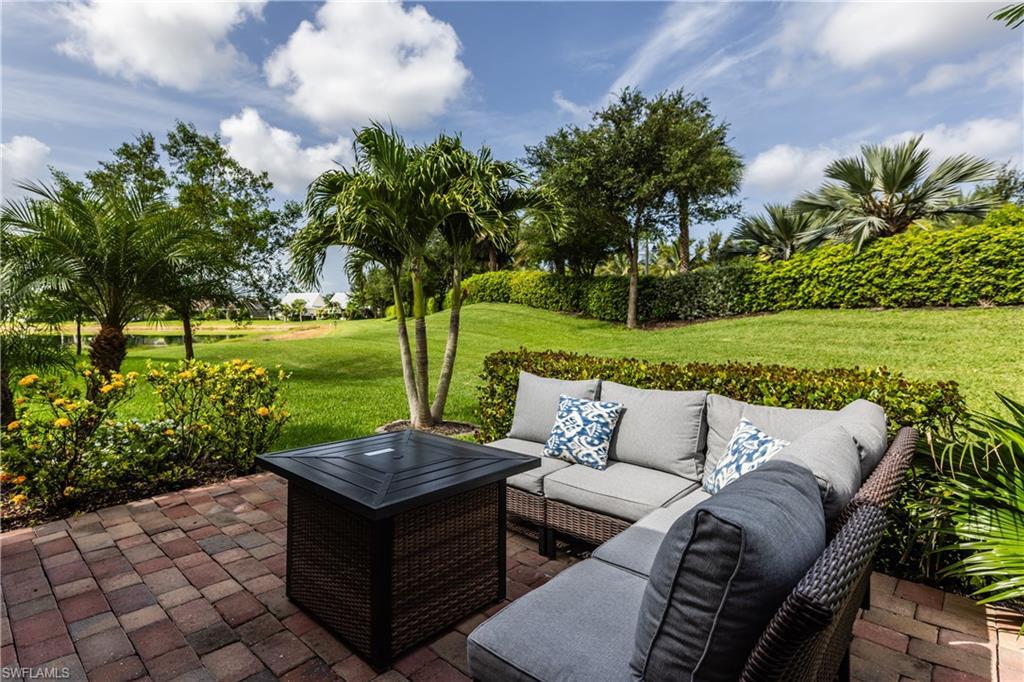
{"x":583,"y":431}
{"x":749,"y":448}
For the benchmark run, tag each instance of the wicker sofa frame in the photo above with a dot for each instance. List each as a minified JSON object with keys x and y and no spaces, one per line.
{"x":552,"y":517}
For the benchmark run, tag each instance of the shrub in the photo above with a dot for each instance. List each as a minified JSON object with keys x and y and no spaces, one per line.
{"x":925,"y":405}
{"x":976,"y":265}
{"x":223,"y":415}
{"x":52,"y":454}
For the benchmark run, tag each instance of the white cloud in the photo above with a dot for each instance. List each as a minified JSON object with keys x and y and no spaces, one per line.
{"x":578,"y":112}
{"x":259,"y":146}
{"x":177,"y":44}
{"x":996,"y":139}
{"x":858,"y":34}
{"x":787,"y":170}
{"x":683,"y":27}
{"x":997,"y":68}
{"x":370,"y":60}
{"x":24,"y":158}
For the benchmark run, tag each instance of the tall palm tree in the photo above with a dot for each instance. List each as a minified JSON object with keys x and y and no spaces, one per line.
{"x":98,"y":252}
{"x":387,"y":209}
{"x":887,"y":188}
{"x":776,"y":234}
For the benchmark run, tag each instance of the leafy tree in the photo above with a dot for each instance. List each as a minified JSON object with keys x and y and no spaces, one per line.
{"x":776,"y":234}
{"x":883,"y":191}
{"x":1008,"y":186}
{"x":98,"y":251}
{"x":703,"y":170}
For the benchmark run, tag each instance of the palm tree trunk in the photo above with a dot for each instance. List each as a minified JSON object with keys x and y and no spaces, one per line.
{"x":108,"y":348}
{"x":451,"y":347}
{"x":186,"y":327}
{"x":492,"y":258}
{"x":6,"y":398}
{"x":78,"y":334}
{"x":683,"y":205}
{"x":419,"y":313}
{"x":406,"y":353}
{"x":634,"y":284}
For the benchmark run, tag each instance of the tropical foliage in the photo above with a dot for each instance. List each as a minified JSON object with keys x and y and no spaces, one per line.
{"x":391,"y":208}
{"x":777,"y":234}
{"x":887,"y":188}
{"x":977,"y":503}
{"x":1011,"y":15}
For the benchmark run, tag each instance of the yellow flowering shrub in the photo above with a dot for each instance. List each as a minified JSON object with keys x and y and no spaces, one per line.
{"x":224,"y":414}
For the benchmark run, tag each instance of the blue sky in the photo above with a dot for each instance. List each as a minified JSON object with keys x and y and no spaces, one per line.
{"x":285,"y":82}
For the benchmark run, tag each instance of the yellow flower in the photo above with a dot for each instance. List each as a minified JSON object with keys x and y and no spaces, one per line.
{"x":260,"y":371}
{"x":68,"y":491}
{"x":107,"y":388}
{"x":19,"y":500}
{"x":28,"y":380}
{"x":20,"y":401}
{"x":117,"y":384}
{"x":262,"y":411}
{"x":133,"y":375}
{"x":19,"y":480}
{"x":155,"y":373}
{"x":58,"y":402}
{"x":87,"y":373}
{"x":187,"y":374}
{"x":70,"y":407}
{"x":4,"y":477}
{"x":236,"y":361}
{"x":14,"y":425}
{"x":168,"y":432}
{"x":116,"y":376}
{"x":62,"y":422}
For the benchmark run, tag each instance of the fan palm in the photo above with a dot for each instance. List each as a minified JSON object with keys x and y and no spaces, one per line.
{"x":98,"y":252}
{"x":776,"y":234}
{"x":887,"y":188}
{"x":1011,"y":15}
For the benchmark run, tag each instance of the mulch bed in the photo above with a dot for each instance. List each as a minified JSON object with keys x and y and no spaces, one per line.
{"x":442,"y":429}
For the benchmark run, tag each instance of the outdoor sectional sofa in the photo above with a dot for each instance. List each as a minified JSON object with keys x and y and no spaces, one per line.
{"x":761,"y":580}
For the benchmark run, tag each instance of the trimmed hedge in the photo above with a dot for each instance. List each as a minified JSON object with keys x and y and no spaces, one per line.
{"x":929,"y":406}
{"x":963,"y":266}
{"x":924,"y":405}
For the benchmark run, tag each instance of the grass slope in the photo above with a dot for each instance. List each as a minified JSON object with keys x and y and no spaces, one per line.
{"x":348,"y":380}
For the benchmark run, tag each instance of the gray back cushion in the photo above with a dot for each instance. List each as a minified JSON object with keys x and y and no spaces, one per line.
{"x":537,"y":404}
{"x":724,"y":416}
{"x":663,"y":430}
{"x":723,"y":570}
{"x":831,"y":454}
{"x":865,"y":421}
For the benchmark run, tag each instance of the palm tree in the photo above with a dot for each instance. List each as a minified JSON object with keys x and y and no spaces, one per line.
{"x":886,"y":189}
{"x":1011,"y":15}
{"x":776,"y":234}
{"x":97,"y":251}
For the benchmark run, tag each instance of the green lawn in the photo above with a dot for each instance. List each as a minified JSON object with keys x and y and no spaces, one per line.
{"x":347,"y":380}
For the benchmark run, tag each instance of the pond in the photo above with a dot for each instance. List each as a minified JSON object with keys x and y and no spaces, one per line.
{"x":135,"y":340}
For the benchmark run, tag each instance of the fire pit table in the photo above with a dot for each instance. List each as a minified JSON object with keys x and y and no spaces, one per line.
{"x":396,"y":537}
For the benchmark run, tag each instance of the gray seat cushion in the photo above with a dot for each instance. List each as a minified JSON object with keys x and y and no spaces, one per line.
{"x":537,"y":404}
{"x":724,"y":416}
{"x":867,"y":424}
{"x":722,"y":571}
{"x":634,"y":549}
{"x":832,"y":455}
{"x":579,"y":626}
{"x":624,"y":491}
{"x":662,"y":430}
{"x":531,"y":481}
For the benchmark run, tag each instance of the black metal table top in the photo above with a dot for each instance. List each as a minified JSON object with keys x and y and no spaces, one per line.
{"x":382,"y":475}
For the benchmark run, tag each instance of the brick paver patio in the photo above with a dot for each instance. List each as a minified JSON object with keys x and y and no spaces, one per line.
{"x":188,"y":586}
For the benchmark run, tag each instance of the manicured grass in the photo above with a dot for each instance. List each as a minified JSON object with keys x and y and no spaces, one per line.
{"x":173,"y":327}
{"x":347,"y":380}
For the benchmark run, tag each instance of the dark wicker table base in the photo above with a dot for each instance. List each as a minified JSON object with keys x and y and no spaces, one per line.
{"x":385,"y":586}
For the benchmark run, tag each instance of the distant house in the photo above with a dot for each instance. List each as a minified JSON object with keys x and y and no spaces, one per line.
{"x":312,"y":299}
{"x":341,"y":299}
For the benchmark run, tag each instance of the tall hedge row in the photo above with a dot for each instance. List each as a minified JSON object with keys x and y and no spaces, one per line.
{"x":956,"y":267}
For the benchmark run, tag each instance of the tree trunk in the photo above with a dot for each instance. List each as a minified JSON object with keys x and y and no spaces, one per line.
{"x":451,"y":347}
{"x":492,"y":258}
{"x":6,"y":399}
{"x":186,"y":328}
{"x":419,"y":321}
{"x":78,"y":335}
{"x":634,"y":284}
{"x":683,"y":205}
{"x":406,"y":353}
{"x":107,"y":349}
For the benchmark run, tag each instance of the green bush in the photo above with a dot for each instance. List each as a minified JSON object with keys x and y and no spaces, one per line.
{"x":935,"y":407}
{"x":980,"y":265}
